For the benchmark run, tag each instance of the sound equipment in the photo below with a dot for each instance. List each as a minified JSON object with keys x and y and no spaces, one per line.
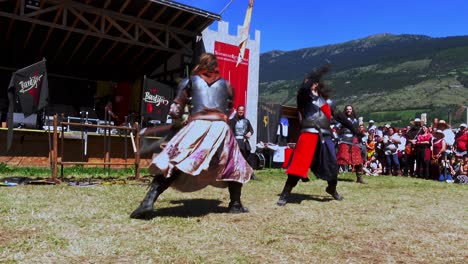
{"x":103,"y":130}
{"x":31,"y":122}
{"x":257,"y":161}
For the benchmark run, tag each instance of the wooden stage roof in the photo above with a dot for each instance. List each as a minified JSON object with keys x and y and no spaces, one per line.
{"x":98,"y":39}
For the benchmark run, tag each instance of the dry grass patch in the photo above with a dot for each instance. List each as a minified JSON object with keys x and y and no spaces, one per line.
{"x":389,"y":220}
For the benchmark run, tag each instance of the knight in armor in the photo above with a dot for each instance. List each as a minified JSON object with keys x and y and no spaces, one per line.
{"x":349,"y":151}
{"x":314,"y":149}
{"x":205,"y":151}
{"x":242,"y":130}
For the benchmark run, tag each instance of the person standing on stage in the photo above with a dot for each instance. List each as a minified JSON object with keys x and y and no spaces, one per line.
{"x":315,"y":149}
{"x":243,"y":130}
{"x":205,"y":151}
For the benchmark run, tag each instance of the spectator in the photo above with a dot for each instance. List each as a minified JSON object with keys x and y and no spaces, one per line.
{"x":438,"y":152}
{"x":448,"y":133}
{"x":461,"y":141}
{"x":363,"y":143}
{"x":370,"y":144}
{"x":390,"y":147}
{"x":371,"y":125}
{"x":373,"y":166}
{"x":410,"y":149}
{"x":423,"y":152}
{"x":462,"y":176}
{"x":401,"y":148}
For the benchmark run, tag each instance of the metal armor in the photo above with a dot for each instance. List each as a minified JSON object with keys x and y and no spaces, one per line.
{"x":206,"y":97}
{"x":314,"y":119}
{"x":345,"y":134}
{"x":240,"y":129}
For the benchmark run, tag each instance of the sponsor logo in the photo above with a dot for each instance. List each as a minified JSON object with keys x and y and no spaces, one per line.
{"x":155,"y":99}
{"x":32,"y":83}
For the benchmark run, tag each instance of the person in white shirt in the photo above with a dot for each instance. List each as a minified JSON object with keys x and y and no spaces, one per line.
{"x":390,"y":147}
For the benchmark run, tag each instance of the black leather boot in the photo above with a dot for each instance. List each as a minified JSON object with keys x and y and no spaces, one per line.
{"x":283,"y":199}
{"x":331,"y":189}
{"x":359,"y":179}
{"x":291,"y":182}
{"x":146,"y":210}
{"x":235,"y":205}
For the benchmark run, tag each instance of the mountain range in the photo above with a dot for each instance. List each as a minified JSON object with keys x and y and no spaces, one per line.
{"x":388,"y":78}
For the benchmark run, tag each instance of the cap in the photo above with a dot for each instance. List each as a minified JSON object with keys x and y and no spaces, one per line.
{"x":463,"y":125}
{"x":417,"y":120}
{"x":371,"y":121}
{"x":387,"y":125}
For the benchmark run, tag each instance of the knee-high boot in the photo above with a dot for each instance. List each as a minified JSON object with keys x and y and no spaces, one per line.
{"x":235,"y":205}
{"x":359,"y":179}
{"x":331,"y":189}
{"x":157,"y":187}
{"x":291,"y":182}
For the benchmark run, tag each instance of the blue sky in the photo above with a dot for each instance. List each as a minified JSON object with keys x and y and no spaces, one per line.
{"x":295,"y":24}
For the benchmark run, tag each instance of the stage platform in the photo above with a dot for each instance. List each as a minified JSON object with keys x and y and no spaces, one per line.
{"x":31,"y":148}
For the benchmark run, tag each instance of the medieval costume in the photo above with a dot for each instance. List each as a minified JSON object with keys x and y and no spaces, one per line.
{"x":315,"y":149}
{"x":243,"y":130}
{"x":204,"y":152}
{"x":349,"y":151}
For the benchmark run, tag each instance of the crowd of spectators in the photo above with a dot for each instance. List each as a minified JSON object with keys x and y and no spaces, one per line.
{"x":434,"y":152}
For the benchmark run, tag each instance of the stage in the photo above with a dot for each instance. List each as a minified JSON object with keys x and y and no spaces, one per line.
{"x":31,"y":148}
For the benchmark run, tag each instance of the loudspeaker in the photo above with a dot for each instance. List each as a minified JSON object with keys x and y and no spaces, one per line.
{"x":29,"y":122}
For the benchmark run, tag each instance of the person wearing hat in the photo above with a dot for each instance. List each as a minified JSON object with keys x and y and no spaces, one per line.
{"x":461,"y":141}
{"x":371,"y":125}
{"x":449,"y":136}
{"x":410,"y":150}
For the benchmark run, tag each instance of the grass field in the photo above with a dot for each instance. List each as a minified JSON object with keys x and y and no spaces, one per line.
{"x":389,"y":220}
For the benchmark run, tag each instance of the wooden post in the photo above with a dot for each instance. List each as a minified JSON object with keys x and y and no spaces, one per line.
{"x":54,"y":152}
{"x":137,"y":152}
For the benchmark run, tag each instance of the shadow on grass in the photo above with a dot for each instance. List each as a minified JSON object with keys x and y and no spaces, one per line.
{"x":346,"y":180}
{"x":191,"y":208}
{"x":297,"y":198}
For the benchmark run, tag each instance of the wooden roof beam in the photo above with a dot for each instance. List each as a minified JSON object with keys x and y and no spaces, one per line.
{"x":12,"y":21}
{"x":142,"y":11}
{"x":155,"y":17}
{"x":26,"y":41}
{"x":67,"y":36}
{"x":49,"y":32}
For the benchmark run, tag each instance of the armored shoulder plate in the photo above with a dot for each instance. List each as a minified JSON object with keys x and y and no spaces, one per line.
{"x":313,"y":115}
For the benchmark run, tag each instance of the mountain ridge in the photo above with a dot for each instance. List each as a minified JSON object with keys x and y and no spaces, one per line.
{"x":377,"y":64}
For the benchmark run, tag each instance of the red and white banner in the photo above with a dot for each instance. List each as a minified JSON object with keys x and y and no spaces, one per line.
{"x":227,"y":56}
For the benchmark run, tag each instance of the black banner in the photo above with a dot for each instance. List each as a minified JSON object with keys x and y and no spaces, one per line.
{"x":267,"y":122}
{"x":155,"y":101}
{"x":28,"y":93}
{"x":30,"y":88}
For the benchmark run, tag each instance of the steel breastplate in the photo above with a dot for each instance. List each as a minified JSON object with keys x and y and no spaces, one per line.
{"x":205,"y":97}
{"x":346,"y":135}
{"x":240,"y":128}
{"x":314,"y":117}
